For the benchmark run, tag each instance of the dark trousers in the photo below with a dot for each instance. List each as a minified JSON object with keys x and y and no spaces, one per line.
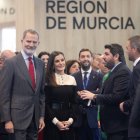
{"x":86,"y":133}
{"x":134,"y":138}
{"x":7,"y":137}
{"x":123,"y":135}
{"x":31,"y":133}
{"x":3,"y":134}
{"x":51,"y":132}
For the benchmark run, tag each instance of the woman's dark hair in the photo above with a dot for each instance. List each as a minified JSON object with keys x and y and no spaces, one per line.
{"x":43,"y":53}
{"x":50,"y":74}
{"x":69,"y":63}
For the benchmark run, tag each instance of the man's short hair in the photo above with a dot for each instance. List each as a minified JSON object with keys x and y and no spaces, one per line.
{"x":135,"y":42}
{"x":116,"y":49}
{"x":83,"y":50}
{"x":30,"y":31}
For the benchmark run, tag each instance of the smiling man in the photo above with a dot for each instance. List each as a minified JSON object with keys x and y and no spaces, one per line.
{"x":22,"y":91}
{"x":90,"y":80}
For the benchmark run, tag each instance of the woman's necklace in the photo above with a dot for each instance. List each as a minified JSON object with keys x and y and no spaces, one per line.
{"x":60,"y":78}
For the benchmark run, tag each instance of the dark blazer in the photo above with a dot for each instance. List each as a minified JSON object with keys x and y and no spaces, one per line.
{"x":18,"y":100}
{"x":114,"y":91}
{"x":94,"y":83}
{"x":133,"y":87}
{"x":134,"y":123}
{"x":134,"y":103}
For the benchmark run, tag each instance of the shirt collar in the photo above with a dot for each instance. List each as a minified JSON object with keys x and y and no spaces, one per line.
{"x":25,"y":56}
{"x":115,"y":66}
{"x":136,"y":61}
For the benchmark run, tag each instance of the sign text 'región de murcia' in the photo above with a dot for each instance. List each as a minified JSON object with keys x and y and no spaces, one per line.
{"x":84,"y":14}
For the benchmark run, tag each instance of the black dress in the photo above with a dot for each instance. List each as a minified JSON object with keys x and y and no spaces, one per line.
{"x":60,"y":104}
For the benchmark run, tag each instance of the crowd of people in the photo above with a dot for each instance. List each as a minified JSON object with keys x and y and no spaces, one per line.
{"x":45,"y":97}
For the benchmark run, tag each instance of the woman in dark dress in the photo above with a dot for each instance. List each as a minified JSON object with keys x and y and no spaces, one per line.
{"x":60,"y":97}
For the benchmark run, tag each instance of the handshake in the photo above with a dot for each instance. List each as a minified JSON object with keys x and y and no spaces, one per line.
{"x":85,"y":94}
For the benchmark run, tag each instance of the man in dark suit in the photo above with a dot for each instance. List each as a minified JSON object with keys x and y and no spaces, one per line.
{"x":114,"y":91}
{"x":22,"y":96}
{"x":87,"y":119}
{"x":133,"y":51}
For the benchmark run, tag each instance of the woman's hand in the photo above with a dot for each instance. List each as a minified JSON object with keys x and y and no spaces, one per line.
{"x":66,"y":123}
{"x":61,"y":126}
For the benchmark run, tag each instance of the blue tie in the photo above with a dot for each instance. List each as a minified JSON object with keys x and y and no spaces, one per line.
{"x":85,"y":80}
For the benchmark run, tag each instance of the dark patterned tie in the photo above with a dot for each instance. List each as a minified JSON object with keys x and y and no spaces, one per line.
{"x":31,"y":72}
{"x":85,"y":80}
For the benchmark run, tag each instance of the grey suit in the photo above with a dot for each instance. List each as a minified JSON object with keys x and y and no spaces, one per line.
{"x":18,"y":100}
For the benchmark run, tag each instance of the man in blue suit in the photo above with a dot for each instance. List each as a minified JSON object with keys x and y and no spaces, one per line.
{"x":90,"y":80}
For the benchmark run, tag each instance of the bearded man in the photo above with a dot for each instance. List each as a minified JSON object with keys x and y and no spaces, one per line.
{"x":87,"y":79}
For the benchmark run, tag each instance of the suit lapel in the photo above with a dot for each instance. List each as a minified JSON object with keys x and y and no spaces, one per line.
{"x":107,"y":80}
{"x":137,"y":65}
{"x":23,"y":68}
{"x":80,"y":80}
{"x":37,"y":68}
{"x":91,"y":78}
{"x":111,"y":75}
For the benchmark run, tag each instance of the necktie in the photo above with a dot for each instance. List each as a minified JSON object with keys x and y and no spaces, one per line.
{"x":106,"y":77}
{"x":85,"y":80}
{"x":31,"y":72}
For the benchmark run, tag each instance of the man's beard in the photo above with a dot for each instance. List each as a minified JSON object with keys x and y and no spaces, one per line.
{"x":131,"y":58}
{"x":29,"y":52}
{"x":110,"y":64}
{"x":85,"y":66}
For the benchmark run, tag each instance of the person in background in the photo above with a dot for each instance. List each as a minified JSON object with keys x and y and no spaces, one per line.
{"x":22,"y":98}
{"x":114,"y":90}
{"x":17,"y":52}
{"x":95,"y":61}
{"x":102,"y":68}
{"x":132,"y":105}
{"x":60,"y":100}
{"x":44,"y":56}
{"x":72,"y":66}
{"x":104,"y":71}
{"x":1,"y":62}
{"x":6,"y":54}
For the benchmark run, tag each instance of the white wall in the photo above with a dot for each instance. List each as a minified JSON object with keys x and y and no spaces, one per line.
{"x":32,"y":14}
